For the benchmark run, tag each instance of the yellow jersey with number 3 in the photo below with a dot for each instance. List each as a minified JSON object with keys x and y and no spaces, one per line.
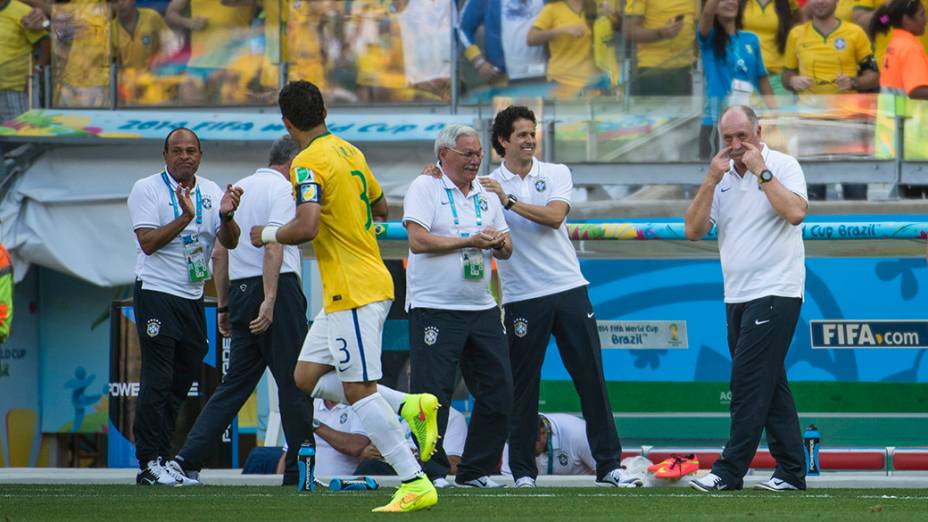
{"x":353,"y":273}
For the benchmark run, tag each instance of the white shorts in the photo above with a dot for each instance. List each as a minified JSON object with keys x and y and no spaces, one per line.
{"x":349,"y":340}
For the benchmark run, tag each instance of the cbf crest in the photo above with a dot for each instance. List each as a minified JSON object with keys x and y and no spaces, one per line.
{"x":484,"y":206}
{"x":153,"y":328}
{"x":562,"y":459}
{"x":520,"y":327}
{"x":541,"y":185}
{"x":431,"y":335}
{"x":207,"y":202}
{"x":344,"y":418}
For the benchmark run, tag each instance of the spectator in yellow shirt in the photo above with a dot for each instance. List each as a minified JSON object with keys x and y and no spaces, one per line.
{"x":771,"y":21}
{"x":17,"y":47}
{"x":137,"y":39}
{"x":81,"y":53}
{"x":829,"y":56}
{"x":664,"y":32}
{"x":566,"y":27}
{"x":217,"y":31}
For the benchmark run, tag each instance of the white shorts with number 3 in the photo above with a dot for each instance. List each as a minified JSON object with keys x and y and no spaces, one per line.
{"x":349,"y":340}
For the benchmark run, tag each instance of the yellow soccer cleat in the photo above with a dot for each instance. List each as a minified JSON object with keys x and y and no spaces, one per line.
{"x":412,"y":496}
{"x":420,"y":411}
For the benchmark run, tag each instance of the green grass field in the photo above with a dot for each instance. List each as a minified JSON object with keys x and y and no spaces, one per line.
{"x":237,"y":503}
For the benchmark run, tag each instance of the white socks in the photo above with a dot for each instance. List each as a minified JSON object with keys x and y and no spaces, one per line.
{"x":394,"y":398}
{"x":329,"y":387}
{"x":382,"y":427}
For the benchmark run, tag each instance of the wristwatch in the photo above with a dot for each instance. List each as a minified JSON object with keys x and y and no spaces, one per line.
{"x":765,"y":176}
{"x":229,"y":216}
{"x":316,"y":424}
{"x":511,"y":200}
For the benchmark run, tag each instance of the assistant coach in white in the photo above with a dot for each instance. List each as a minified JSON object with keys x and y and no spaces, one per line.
{"x":757,"y":199}
{"x":545,"y":293}
{"x":263,"y":309}
{"x":176,"y":216}
{"x":454,"y":228}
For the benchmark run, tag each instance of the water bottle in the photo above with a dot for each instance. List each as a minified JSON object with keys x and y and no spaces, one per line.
{"x":811,"y":440}
{"x":353,"y":484}
{"x":306,"y":462}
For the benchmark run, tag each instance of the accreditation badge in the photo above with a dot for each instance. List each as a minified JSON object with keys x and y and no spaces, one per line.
{"x":195,"y":255}
{"x":473,"y":262}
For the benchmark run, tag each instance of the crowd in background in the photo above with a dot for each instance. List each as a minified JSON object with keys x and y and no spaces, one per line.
{"x":231,"y":52}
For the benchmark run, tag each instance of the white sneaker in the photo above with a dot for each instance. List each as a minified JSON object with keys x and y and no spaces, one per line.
{"x":525,"y":482}
{"x":711,"y":482}
{"x":154,"y":474}
{"x":482,"y":482}
{"x":441,"y":483}
{"x":173,"y":469}
{"x":619,"y":478}
{"x":775,"y":484}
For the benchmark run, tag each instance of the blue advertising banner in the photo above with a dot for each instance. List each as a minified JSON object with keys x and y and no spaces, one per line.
{"x":229,"y":126}
{"x":857,"y":298}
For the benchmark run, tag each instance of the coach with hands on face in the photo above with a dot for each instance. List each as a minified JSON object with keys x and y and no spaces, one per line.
{"x":262,"y":307}
{"x":757,"y":199}
{"x":176,"y":217}
{"x":544,"y":292}
{"x":454,"y":226}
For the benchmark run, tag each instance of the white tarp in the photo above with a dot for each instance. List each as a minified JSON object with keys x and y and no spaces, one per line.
{"x":68,"y":212}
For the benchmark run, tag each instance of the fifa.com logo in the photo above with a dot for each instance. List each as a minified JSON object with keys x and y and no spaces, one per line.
{"x":870,"y":334}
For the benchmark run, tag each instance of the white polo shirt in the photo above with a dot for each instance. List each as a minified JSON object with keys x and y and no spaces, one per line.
{"x":437,"y":280}
{"x":267,"y":199}
{"x":762,"y":254}
{"x":543,"y":260}
{"x":329,"y":461}
{"x":151,"y":205}
{"x":568,"y":450}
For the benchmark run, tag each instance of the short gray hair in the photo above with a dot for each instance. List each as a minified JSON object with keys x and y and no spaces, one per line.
{"x":448,"y":137}
{"x":282,"y":151}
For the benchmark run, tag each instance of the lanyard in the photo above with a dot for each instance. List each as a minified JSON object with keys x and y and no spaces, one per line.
{"x":454,"y":209}
{"x":199,"y":199}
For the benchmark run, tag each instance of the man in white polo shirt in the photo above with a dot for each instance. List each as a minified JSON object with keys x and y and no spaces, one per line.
{"x":560,"y":447}
{"x":545,"y":293}
{"x":757,"y":199}
{"x":455,"y":230}
{"x":176,"y":216}
{"x":262,"y":307}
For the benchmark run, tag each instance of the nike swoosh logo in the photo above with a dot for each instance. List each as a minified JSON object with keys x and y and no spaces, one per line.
{"x":444,"y":202}
{"x":590,"y":316}
{"x":758,"y":323}
{"x":725,"y":189}
{"x":421,"y":411}
{"x":408,"y":500}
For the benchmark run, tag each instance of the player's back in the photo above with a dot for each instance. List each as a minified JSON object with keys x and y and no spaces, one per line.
{"x":353,"y":273}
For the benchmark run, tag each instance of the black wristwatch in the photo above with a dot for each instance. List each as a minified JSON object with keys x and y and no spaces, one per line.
{"x":316,"y":424}
{"x":229,"y":216}
{"x":765,"y":176}
{"x":511,"y":200}
{"x":222,"y":309}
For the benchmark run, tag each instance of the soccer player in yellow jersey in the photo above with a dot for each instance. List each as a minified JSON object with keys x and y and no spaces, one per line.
{"x":827,"y":55}
{"x":337,"y":200}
